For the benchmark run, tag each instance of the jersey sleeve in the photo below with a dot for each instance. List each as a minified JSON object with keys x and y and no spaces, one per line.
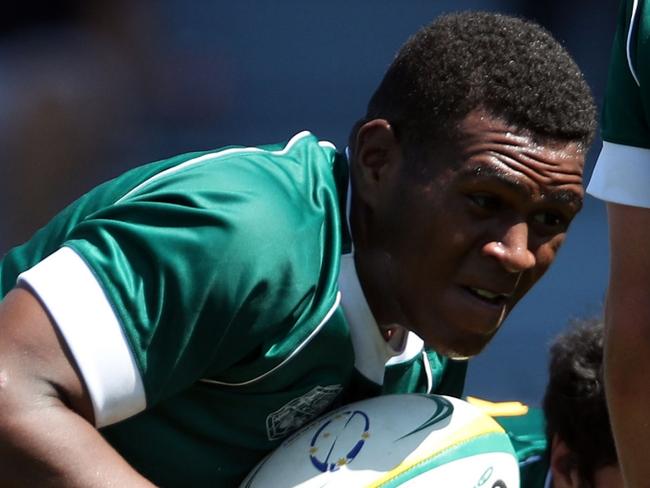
{"x":623,"y":166}
{"x":180,"y":281}
{"x":91,"y":330}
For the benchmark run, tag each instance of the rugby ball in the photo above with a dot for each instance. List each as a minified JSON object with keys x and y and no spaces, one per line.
{"x":409,"y":440}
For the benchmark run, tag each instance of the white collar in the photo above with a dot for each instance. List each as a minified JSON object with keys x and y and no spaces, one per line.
{"x":371,"y":352}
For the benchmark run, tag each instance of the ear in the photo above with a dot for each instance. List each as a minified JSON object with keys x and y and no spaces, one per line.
{"x":376,"y":159}
{"x":565,"y":474}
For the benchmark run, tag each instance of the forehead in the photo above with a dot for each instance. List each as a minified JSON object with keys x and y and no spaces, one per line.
{"x":490,"y":149}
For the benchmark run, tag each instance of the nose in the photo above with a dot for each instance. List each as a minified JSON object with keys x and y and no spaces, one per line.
{"x":512,"y":250}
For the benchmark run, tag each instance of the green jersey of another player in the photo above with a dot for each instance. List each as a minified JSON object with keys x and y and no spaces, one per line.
{"x":622,"y":172}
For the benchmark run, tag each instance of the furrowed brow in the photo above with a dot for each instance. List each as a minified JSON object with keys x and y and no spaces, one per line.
{"x":565,"y":197}
{"x":560,"y":196}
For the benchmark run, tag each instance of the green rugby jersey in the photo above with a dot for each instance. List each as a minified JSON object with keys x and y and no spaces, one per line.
{"x":622,"y":172}
{"x":212,"y":307}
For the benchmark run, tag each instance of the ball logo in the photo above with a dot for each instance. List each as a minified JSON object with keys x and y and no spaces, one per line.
{"x":340,"y":438}
{"x":324,"y":441}
{"x":487,"y":474}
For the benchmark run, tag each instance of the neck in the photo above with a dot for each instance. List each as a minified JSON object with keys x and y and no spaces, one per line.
{"x":373,"y":269}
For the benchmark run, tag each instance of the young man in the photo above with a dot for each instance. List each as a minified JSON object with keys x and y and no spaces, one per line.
{"x":197,"y":310}
{"x":621,"y":178}
{"x":569,"y":443}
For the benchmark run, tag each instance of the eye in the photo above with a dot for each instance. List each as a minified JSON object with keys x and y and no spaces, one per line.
{"x":485,"y":201}
{"x":553,"y":221}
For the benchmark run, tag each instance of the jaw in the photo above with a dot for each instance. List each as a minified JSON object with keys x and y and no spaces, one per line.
{"x":455,"y":340}
{"x":460,"y":347}
{"x":458,"y":324}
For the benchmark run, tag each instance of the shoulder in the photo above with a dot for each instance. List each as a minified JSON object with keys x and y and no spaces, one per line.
{"x":235,"y":167}
{"x":276,"y":183}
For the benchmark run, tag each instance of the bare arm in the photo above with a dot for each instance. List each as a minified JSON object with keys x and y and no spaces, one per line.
{"x":47,"y":437}
{"x":627,"y":346}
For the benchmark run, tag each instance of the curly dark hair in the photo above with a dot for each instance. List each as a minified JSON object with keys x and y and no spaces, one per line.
{"x":574,"y":402}
{"x":512,"y":68}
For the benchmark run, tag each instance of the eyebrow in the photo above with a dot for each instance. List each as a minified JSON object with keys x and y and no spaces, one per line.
{"x":492,"y":173}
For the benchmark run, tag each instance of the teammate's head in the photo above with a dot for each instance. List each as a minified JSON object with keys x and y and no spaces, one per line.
{"x":578,"y":430}
{"x":466,"y":173}
{"x":511,"y":68}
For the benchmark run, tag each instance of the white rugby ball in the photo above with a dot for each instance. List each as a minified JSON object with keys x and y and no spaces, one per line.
{"x":409,"y":440}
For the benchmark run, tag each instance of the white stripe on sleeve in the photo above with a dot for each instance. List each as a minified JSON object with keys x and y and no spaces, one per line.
{"x":622,"y":175}
{"x":78,"y":305}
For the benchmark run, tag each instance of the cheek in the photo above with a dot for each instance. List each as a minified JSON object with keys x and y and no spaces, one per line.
{"x":546,"y":253}
{"x":608,"y":477}
{"x":436,"y":249}
{"x":429,"y":233}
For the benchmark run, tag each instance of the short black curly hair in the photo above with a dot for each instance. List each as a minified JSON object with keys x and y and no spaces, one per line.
{"x":512,"y":68}
{"x":574,"y":402}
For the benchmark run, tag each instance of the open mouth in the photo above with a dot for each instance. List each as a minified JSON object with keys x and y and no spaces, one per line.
{"x":488,"y":296}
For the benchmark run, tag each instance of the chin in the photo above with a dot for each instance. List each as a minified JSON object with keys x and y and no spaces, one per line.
{"x":460,"y":345}
{"x":453,"y":333}
{"x":460,"y":353}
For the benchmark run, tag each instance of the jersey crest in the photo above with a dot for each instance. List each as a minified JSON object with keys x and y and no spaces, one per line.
{"x":299,"y":411}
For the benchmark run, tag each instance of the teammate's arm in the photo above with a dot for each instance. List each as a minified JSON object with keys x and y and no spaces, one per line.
{"x":47,"y":437}
{"x":627,"y":346}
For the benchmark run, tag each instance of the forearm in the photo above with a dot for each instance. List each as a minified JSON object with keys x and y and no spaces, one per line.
{"x":627,"y":377}
{"x":47,"y":436}
{"x":627,"y":340}
{"x":52,"y":446}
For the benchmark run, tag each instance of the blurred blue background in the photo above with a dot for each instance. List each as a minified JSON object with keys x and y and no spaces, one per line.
{"x":89,"y":89}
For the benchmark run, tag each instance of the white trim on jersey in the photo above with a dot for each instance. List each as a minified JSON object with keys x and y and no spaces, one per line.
{"x":75,"y":300}
{"x":628,"y":43}
{"x":348,"y":202}
{"x":427,"y":370}
{"x":371,"y":351}
{"x":548,"y":481}
{"x":413,"y":346}
{"x":222,"y":153}
{"x":294,"y":352}
{"x":621,"y":175}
